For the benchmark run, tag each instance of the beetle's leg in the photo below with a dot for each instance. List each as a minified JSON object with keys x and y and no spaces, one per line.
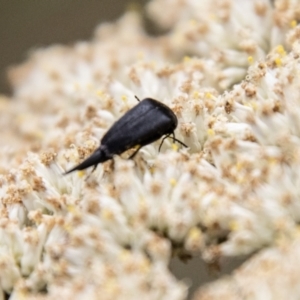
{"x":175,"y":140}
{"x":135,"y":152}
{"x":94,"y":168}
{"x":137,"y":98}
{"x":163,"y":141}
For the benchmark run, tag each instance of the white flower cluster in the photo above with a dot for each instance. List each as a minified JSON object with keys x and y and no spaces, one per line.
{"x":232,"y":33}
{"x":232,"y":192}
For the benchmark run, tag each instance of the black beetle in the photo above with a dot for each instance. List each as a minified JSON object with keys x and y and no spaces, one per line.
{"x":145,"y":123}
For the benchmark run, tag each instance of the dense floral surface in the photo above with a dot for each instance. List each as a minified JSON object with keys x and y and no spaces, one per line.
{"x":230,"y":72}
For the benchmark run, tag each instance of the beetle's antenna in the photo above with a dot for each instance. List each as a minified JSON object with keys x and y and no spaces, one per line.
{"x":180,"y":142}
{"x":163,"y":141}
{"x":173,"y":138}
{"x":137,"y":98}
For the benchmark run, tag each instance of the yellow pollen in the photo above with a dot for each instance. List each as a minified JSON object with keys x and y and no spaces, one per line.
{"x":250,"y":60}
{"x":71,"y":208}
{"x":99,"y":93}
{"x":186,"y":59}
{"x":173,"y":181}
{"x":239,"y":166}
{"x":241,"y":179}
{"x":107,"y":214}
{"x":81,"y":173}
{"x":272,"y":160}
{"x":293,"y":23}
{"x":280,"y":50}
{"x":234,"y":226}
{"x":144,"y":266}
{"x":253,"y":105}
{"x":194,"y":233}
{"x":208,"y":95}
{"x":210,"y":132}
{"x":212,"y":17}
{"x":124,"y":256}
{"x":90,"y":143}
{"x":124,"y":98}
{"x":67,"y":227}
{"x":110,"y":286}
{"x":37,"y":134}
{"x":193,"y":22}
{"x":278,"y":62}
{"x":174,"y":147}
{"x":196,"y":95}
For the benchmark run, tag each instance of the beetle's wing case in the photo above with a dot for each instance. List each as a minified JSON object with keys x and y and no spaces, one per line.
{"x":145,"y":123}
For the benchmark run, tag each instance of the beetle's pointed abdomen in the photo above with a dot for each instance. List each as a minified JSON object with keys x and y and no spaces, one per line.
{"x":97,"y":157}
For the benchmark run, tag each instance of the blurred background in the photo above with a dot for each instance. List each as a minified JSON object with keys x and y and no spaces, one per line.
{"x":26,"y":25}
